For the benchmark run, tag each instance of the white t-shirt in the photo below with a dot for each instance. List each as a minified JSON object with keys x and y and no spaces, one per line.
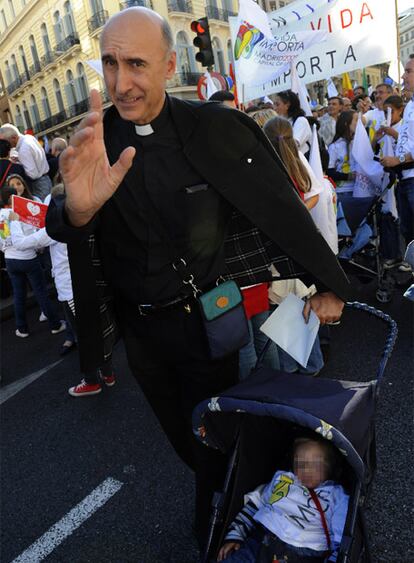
{"x":340,"y":158}
{"x":302,"y":133}
{"x":324,"y":215}
{"x":405,"y":142}
{"x":6,"y":243}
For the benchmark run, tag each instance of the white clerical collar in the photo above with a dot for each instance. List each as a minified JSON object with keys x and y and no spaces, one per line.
{"x":144,"y":130}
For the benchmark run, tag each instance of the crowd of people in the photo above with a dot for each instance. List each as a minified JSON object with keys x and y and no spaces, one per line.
{"x":108,"y":191}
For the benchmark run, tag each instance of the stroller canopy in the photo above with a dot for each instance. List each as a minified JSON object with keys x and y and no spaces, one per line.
{"x":341,"y":411}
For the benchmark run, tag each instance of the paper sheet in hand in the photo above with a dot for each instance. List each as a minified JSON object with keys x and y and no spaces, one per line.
{"x":287,"y":327}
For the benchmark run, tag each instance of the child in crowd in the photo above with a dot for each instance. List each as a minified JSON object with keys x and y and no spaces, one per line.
{"x":271,"y":525}
{"x":279,"y":131}
{"x":91,"y":384}
{"x":20,"y":185}
{"x":341,"y":166}
{"x":23,"y":266}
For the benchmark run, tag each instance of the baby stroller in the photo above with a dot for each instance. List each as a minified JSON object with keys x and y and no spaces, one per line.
{"x":362,"y":248}
{"x":255,"y":423}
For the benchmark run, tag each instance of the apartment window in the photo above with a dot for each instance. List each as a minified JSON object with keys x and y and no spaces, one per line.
{"x":3,"y":19}
{"x":70,"y":89}
{"x":281,"y":4}
{"x":24,"y":61}
{"x":45,"y":103}
{"x":218,"y":56}
{"x":26,"y":116}
{"x":19,"y":119}
{"x":11,"y":8}
{"x":34,"y":111}
{"x":272,"y":6}
{"x":82,"y":82}
{"x":185,"y":54}
{"x":58,"y":95}
{"x":33,"y":50}
{"x":45,"y":39}
{"x":58,"y":27}
{"x":14,"y":68}
{"x":69,"y":24}
{"x":9,"y":78}
{"x":96,"y":6}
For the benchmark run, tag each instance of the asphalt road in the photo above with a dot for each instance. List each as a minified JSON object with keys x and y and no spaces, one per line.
{"x":101,"y":468}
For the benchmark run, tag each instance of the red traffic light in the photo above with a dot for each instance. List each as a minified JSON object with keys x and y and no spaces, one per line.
{"x":198,"y":28}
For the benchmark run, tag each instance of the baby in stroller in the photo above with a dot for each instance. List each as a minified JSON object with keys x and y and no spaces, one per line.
{"x":298,"y":517}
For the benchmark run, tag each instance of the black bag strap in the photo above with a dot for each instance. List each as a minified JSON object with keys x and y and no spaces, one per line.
{"x":5,"y":174}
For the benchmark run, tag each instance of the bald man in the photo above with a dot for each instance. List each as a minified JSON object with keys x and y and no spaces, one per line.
{"x":157,"y":180}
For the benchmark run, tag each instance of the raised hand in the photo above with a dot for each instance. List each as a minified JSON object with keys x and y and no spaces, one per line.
{"x":88,"y":177}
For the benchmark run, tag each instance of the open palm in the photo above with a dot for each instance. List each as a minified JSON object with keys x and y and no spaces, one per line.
{"x":88,"y":177}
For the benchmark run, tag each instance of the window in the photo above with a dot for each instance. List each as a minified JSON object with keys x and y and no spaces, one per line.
{"x":3,"y":19}
{"x":24,"y":62}
{"x":33,"y":50}
{"x":45,"y":39}
{"x":281,"y":4}
{"x":45,"y":103}
{"x":230,"y":53}
{"x":58,"y":95}
{"x":19,"y":119}
{"x":96,"y":6}
{"x":14,"y":68}
{"x":34,"y":111}
{"x":58,"y":27}
{"x":27,"y":122}
{"x":82,"y":82}
{"x":11,"y":8}
{"x":70,"y":89}
{"x":218,"y":56}
{"x":9,"y":78}
{"x":272,"y":5}
{"x":68,"y":23}
{"x":185,"y":54}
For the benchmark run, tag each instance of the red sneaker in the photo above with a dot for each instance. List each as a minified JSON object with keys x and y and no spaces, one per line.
{"x":85,"y":389}
{"x":109,"y":380}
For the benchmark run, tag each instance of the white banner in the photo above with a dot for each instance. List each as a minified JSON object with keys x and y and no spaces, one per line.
{"x":360,"y":33}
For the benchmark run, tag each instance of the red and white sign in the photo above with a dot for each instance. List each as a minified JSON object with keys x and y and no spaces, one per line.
{"x":30,"y":212}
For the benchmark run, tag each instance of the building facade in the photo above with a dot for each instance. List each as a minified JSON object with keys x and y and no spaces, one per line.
{"x":406,"y":29}
{"x":45,"y":46}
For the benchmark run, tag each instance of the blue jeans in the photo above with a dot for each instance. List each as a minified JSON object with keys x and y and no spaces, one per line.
{"x":405,"y":203}
{"x":19,"y":272}
{"x":315,"y":362}
{"x":250,"y":353}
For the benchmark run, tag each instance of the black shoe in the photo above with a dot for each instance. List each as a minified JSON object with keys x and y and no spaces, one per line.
{"x":66,"y":349}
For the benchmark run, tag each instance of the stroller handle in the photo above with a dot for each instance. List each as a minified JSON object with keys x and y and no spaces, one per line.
{"x":391,"y":336}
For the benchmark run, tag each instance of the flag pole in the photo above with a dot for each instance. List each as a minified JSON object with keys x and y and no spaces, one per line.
{"x":398,"y":45}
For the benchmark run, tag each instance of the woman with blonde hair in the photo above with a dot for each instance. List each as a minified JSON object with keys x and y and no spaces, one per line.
{"x":262,"y":116}
{"x":280,"y":133}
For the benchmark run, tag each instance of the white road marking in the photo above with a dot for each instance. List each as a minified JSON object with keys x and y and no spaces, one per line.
{"x":12,"y":389}
{"x":44,"y":546}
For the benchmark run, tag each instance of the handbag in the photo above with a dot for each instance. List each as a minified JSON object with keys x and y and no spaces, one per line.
{"x":222,"y":312}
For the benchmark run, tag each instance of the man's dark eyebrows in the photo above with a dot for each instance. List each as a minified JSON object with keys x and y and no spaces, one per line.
{"x":107,"y":58}
{"x":134,"y":60}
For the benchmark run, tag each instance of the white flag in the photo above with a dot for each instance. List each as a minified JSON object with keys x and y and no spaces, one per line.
{"x":300,"y":89}
{"x":211,"y":87}
{"x":369,"y":173}
{"x":259,"y":56}
{"x":393,"y":71}
{"x":332,"y":91}
{"x":96,"y":65}
{"x":315,"y":156}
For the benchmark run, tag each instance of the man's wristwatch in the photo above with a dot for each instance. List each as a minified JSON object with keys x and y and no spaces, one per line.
{"x":401,"y":158}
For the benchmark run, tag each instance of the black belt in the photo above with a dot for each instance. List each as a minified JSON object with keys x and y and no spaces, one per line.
{"x":152,"y":309}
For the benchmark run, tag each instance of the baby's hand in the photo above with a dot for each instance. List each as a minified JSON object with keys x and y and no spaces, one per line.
{"x":228,"y":548}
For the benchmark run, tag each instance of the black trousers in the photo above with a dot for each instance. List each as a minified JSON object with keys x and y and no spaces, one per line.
{"x":167,"y":354}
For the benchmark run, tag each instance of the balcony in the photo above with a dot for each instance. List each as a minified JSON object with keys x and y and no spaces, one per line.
{"x":48,"y":58}
{"x":181,"y":6}
{"x":45,"y":124}
{"x":215,"y":13}
{"x":14,"y":85}
{"x":58,"y":118}
{"x":67,"y":43}
{"x":79,"y":108}
{"x":97,"y":20}
{"x":34,"y":69}
{"x":184,"y":79}
{"x":131,"y":3}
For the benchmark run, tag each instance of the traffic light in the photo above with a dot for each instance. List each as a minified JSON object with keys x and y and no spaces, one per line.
{"x":203,"y":42}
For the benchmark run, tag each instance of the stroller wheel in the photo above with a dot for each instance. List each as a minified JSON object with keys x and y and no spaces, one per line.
{"x":383,"y":296}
